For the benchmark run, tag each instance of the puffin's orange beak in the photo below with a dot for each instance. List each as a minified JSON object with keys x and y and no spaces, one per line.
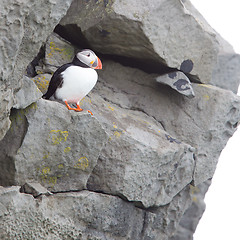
{"x":99,"y":64}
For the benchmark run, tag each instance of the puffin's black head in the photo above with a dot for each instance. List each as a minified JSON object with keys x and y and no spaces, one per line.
{"x":89,"y":58}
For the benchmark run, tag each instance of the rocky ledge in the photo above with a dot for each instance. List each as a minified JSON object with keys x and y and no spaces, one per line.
{"x":163,"y":109}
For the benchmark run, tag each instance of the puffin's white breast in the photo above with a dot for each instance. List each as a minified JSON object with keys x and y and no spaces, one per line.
{"x":77,"y":83}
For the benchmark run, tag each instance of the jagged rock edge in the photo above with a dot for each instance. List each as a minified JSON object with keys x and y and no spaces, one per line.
{"x":151,"y":67}
{"x":136,"y":204}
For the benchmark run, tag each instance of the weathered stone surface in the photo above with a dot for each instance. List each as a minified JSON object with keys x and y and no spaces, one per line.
{"x":137,"y":149}
{"x":85,"y":215}
{"x":162,"y":222}
{"x":82,"y":215}
{"x":136,"y":113}
{"x":226,"y":72}
{"x":163,"y":31}
{"x":58,"y":51}
{"x":35,"y":189}
{"x":28,"y":94}
{"x":192,"y":215}
{"x":140,"y":161}
{"x":205,"y":122}
{"x":178,"y":81}
{"x":42,"y":81}
{"x":5,"y":106}
{"x":20,"y":41}
{"x":146,"y":152}
{"x":145,"y":142}
{"x":58,"y":149}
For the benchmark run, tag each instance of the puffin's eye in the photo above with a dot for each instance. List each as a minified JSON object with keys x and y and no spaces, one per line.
{"x":88,"y":55}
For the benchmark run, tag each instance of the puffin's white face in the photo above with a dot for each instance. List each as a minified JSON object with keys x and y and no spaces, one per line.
{"x":89,"y":58}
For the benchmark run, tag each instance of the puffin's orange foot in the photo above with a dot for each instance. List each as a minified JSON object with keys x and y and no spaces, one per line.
{"x":90,"y":112}
{"x":78,"y":109}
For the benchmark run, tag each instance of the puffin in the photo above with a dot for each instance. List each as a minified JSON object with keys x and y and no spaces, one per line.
{"x":73,"y":81}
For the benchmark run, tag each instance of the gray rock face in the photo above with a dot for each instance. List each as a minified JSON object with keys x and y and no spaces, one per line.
{"x":226,"y":72}
{"x":146,"y":157}
{"x":42,"y":81}
{"x":28,"y":94}
{"x":5,"y":106}
{"x":192,"y":215}
{"x":35,"y":189}
{"x":167,"y":31}
{"x":19,"y":43}
{"x":205,"y":122}
{"x":141,"y":163}
{"x":83,"y":215}
{"x":58,"y":51}
{"x":160,"y":223}
{"x":60,"y":152}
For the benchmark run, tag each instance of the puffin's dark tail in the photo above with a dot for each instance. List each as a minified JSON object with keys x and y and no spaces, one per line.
{"x":46,"y":95}
{"x":55,"y":82}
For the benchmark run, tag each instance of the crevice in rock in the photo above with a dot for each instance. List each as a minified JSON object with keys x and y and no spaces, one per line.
{"x":146,"y":65}
{"x":67,"y":191}
{"x":22,"y":190}
{"x":19,"y":120}
{"x":192,"y":78}
{"x":92,"y":188}
{"x":31,"y":68}
{"x":141,"y":110}
{"x":194,"y":168}
{"x":144,"y":227}
{"x":137,"y":204}
{"x":9,"y":146}
{"x":74,"y":35}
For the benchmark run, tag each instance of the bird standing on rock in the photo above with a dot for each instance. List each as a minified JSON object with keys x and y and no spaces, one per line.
{"x":73,"y":81}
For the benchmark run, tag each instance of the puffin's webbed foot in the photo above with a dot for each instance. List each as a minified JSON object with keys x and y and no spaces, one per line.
{"x":77,"y":109}
{"x":90,"y":112}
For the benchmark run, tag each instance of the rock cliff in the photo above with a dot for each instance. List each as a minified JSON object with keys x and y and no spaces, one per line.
{"x":164,"y":107}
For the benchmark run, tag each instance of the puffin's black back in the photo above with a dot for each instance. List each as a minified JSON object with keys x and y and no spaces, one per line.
{"x":57,"y":79}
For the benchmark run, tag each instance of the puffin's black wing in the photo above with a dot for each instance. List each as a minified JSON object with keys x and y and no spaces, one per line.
{"x":56,"y":81}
